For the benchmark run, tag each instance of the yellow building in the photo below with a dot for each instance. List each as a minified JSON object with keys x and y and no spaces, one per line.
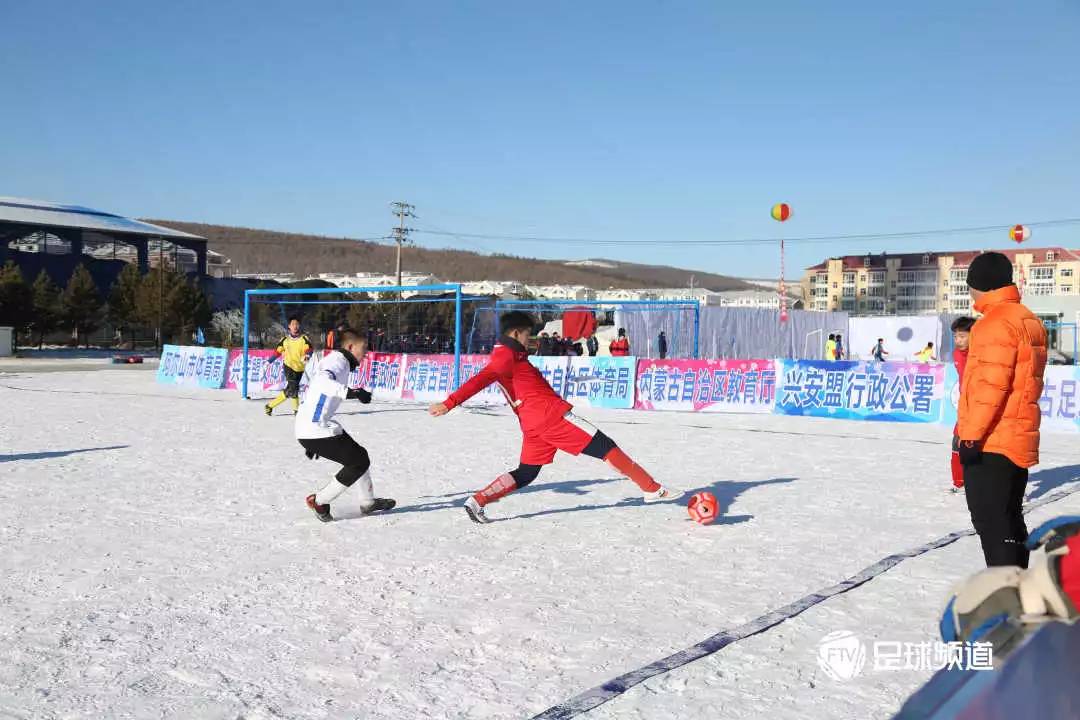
{"x":928,"y":283}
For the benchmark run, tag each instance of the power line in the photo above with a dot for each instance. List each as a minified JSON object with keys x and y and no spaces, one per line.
{"x":754,"y":241}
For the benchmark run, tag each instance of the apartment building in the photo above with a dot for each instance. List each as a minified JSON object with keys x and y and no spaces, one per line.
{"x":928,"y":283}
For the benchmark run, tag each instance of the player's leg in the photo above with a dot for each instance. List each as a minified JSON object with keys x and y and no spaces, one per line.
{"x":535,"y":453}
{"x":355,"y":472}
{"x":292,"y":387}
{"x":281,"y":397}
{"x":955,"y":467}
{"x":499,"y":488}
{"x":579,"y":437}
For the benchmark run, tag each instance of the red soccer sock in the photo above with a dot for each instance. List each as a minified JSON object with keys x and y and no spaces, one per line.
{"x":619,"y":460}
{"x":957,"y":471}
{"x":500,"y":487}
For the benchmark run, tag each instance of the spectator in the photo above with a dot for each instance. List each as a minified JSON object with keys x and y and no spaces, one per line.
{"x":830,"y":347}
{"x":620,"y":346}
{"x":557,"y":347}
{"x":544,"y":346}
{"x":661,"y":345}
{"x":593,"y":345}
{"x":839,"y":352}
{"x":926,"y":354}
{"x":999,"y":409}
{"x":878,"y":351}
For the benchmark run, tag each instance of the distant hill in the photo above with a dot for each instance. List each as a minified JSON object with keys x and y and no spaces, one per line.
{"x":254,"y":251}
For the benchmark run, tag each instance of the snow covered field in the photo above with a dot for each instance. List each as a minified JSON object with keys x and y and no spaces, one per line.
{"x":158,"y":561}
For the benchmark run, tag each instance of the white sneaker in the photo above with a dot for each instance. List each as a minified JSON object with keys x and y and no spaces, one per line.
{"x":475,"y":511}
{"x":662,"y":494}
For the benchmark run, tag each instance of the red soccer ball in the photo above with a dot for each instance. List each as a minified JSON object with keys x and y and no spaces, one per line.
{"x":703,"y":508}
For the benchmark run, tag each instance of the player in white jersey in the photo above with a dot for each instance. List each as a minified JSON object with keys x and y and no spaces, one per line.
{"x":327,"y":380}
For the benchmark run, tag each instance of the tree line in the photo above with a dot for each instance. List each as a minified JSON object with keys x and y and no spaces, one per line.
{"x":133,"y":302}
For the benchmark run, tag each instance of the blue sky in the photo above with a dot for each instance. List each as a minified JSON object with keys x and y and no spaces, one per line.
{"x":609,"y":120}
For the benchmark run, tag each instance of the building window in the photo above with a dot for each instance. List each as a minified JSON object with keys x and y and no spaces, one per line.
{"x":1066,"y":272}
{"x":866,"y":261}
{"x":834,"y":286}
{"x":1051,"y":256}
{"x":1042,"y":273}
{"x":926,"y":259}
{"x":877,"y":277}
{"x":821,"y":278}
{"x":958,"y":275}
{"x":849,"y":292}
{"x":849,"y":278}
{"x":1066,"y":289}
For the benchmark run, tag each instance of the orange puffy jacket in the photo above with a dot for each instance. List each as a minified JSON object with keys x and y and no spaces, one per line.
{"x":1003,"y":379}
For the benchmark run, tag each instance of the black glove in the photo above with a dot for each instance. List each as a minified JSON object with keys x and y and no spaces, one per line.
{"x":311,"y":455}
{"x":358,"y":394}
{"x":970,"y":452}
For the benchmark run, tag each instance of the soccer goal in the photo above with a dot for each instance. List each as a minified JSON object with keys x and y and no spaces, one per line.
{"x":643,"y":320}
{"x":416,"y":319}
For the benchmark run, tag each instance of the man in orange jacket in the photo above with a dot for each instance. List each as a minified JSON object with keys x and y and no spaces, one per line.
{"x":999,"y":414}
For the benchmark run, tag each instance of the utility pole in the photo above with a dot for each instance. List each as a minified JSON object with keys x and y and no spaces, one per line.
{"x":161,"y":292}
{"x":401,"y":233}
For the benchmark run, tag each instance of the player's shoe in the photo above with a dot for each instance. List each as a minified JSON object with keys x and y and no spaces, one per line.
{"x":379,"y":505}
{"x":956,"y":490}
{"x":268,"y":410}
{"x":475,"y":511}
{"x":662,"y":494}
{"x":321,"y":511}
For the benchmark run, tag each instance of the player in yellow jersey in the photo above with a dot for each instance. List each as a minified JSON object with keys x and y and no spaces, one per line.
{"x":294,"y":349}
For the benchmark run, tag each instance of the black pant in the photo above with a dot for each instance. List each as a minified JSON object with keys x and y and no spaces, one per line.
{"x":995,"y":497}
{"x":292,"y":382}
{"x":341,"y":449}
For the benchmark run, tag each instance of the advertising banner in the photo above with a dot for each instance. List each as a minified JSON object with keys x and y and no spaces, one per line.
{"x":430,"y":378}
{"x":600,"y":382}
{"x":706,"y":385}
{"x":899,"y":392}
{"x":554,"y":370}
{"x":192,"y":366}
{"x":381,"y":373}
{"x":1059,"y":404}
{"x":263,"y":375}
{"x":1060,"y":401}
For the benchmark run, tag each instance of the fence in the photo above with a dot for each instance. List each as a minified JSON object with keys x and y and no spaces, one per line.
{"x":851,"y":390}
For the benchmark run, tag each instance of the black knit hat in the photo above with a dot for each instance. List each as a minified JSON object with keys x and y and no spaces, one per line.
{"x":990,"y":271}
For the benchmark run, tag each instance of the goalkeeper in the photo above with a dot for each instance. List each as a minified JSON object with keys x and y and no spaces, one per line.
{"x":294,"y":349}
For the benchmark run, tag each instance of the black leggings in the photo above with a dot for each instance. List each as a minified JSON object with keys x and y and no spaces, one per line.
{"x":292,"y":382}
{"x":341,"y":449}
{"x":598,"y":447}
{"x":995,"y":496}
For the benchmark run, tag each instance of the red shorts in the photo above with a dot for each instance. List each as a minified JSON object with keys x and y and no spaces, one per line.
{"x":570,"y":434}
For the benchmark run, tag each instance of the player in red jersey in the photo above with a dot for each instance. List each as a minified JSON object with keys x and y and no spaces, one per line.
{"x":961,"y":332}
{"x":547,"y":423}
